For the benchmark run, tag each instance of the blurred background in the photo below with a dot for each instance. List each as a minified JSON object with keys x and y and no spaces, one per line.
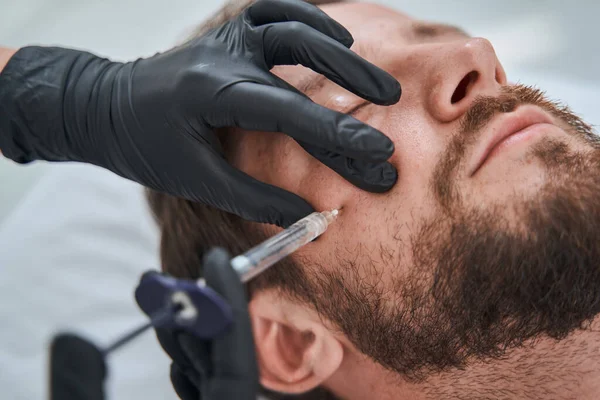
{"x":74,"y":239}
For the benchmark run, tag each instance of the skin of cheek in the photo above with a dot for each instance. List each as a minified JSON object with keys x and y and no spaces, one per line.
{"x":374,"y":230}
{"x":514,"y":175}
{"x":284,"y":163}
{"x":522,"y":178}
{"x":367,"y":222}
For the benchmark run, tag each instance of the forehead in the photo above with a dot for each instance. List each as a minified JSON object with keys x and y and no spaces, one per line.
{"x":367,"y":20}
{"x":370,"y":23}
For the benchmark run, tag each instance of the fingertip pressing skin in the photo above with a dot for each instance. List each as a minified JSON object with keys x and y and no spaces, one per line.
{"x":394,"y":94}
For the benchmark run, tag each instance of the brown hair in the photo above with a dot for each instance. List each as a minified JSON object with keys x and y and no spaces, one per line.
{"x":189,"y":229}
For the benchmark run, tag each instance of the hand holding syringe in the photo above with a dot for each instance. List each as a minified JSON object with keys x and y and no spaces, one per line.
{"x":188,"y":305}
{"x":195,"y":307}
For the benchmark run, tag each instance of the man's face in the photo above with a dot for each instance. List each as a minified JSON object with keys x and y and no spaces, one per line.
{"x":483,"y":242}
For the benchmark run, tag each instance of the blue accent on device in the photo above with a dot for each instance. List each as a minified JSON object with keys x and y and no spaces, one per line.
{"x":197,"y":309}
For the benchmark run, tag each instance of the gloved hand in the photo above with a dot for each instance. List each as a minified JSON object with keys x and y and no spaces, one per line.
{"x":152,"y":120}
{"x":77,"y":369}
{"x":222,"y":368}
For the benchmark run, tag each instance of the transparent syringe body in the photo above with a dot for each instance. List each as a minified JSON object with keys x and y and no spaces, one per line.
{"x":261,"y":257}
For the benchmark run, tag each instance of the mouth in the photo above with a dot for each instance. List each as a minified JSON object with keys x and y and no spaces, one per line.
{"x":508,"y":129}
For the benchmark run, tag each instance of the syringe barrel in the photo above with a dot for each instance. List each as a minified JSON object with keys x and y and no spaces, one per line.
{"x":259,"y":258}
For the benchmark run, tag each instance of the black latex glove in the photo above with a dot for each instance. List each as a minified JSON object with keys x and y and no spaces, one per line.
{"x":223,"y":368}
{"x":152,"y":120}
{"x":77,"y":369}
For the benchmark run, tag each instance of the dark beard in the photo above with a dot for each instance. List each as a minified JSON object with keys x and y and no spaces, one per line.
{"x":477,"y":287}
{"x":493,"y":288}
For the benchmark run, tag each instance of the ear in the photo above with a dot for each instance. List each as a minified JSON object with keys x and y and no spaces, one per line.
{"x":296,"y":352}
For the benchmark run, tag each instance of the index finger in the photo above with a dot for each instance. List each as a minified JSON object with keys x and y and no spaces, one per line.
{"x":292,"y":43}
{"x":270,"y":11}
{"x":233,"y":355}
{"x":274,"y":109}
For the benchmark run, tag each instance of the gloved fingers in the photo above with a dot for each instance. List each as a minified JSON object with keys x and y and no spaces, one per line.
{"x":77,"y":369}
{"x":272,"y":11}
{"x":185,"y":389}
{"x":372,"y":177}
{"x":292,"y":43}
{"x":193,"y":361}
{"x":273,"y":109}
{"x":196,"y":357}
{"x":240,"y":194}
{"x":375,"y":177}
{"x":231,"y":388}
{"x":233,"y":354}
{"x":221,"y":277}
{"x":168,"y":341}
{"x":232,"y":362}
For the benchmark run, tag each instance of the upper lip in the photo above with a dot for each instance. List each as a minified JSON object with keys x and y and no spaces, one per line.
{"x":505,"y":126}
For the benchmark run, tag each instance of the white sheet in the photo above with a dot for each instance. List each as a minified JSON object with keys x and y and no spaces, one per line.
{"x":70,"y":257}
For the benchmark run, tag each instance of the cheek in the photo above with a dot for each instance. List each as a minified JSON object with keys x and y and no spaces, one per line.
{"x":280,"y":161}
{"x":272,"y":158}
{"x":371,"y":239}
{"x":418,"y":146}
{"x":375,"y":229}
{"x":515,"y":184}
{"x":289,"y":164}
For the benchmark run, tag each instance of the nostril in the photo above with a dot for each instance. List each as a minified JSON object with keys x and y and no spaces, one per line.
{"x":463,"y":86}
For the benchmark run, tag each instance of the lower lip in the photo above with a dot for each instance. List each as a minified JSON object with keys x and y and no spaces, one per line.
{"x":523,"y":136}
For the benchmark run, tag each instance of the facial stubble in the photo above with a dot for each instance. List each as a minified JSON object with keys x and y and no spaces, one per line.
{"x":477,"y":287}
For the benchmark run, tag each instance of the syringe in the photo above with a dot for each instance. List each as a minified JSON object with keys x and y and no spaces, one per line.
{"x":261,"y":257}
{"x":177,"y":303}
{"x":183,"y":301}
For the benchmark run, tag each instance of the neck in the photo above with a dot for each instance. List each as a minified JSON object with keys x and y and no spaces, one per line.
{"x":565,"y":369}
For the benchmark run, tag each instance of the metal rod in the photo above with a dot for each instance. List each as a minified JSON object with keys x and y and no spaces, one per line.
{"x":157,"y":319}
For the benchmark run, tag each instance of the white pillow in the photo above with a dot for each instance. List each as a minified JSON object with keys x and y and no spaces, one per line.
{"x":70,"y":257}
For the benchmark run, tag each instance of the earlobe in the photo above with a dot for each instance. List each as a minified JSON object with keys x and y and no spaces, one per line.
{"x":296,"y":353}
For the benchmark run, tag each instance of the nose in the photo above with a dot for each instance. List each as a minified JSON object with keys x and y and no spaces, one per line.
{"x":464,"y":70}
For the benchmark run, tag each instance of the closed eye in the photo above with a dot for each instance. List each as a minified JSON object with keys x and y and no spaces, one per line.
{"x":354,"y":110}
{"x":423,"y":30}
